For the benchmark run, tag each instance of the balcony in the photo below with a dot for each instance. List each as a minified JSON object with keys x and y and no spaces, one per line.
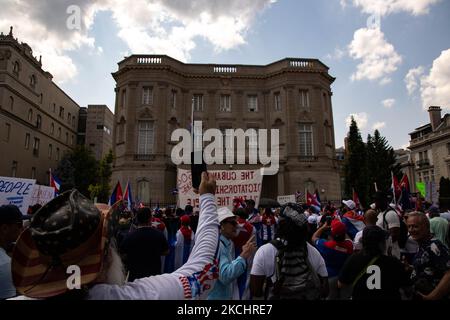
{"x":308,"y":158}
{"x":144,"y":157}
{"x":423,"y":163}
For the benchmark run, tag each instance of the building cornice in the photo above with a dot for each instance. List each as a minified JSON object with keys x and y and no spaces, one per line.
{"x":429,"y":140}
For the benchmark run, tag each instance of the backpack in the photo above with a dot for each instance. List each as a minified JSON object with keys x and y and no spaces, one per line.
{"x":403,"y":237}
{"x":295,"y":277}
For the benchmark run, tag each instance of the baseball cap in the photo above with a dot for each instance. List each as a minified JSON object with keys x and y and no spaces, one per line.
{"x":349,"y":203}
{"x":337,"y":228}
{"x":224,"y":213}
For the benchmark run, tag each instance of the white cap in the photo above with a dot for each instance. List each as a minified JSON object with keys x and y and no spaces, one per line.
{"x":224,"y":213}
{"x":349,"y":203}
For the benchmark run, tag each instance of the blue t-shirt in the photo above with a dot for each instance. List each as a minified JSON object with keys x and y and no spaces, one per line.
{"x":7,"y":289}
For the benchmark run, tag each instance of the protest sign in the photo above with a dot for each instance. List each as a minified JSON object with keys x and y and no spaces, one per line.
{"x":286,"y":199}
{"x":42,"y":194}
{"x":231,"y":184}
{"x":16,"y":191}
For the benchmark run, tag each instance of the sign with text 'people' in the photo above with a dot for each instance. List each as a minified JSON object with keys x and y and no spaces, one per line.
{"x":16,"y":191}
{"x":231,"y":184}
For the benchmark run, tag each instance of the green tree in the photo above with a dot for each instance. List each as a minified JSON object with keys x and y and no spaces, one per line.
{"x":101,"y":188}
{"x":355,"y":167}
{"x":380,"y":163}
{"x":78,"y":169}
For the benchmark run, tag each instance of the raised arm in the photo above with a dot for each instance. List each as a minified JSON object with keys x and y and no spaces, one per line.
{"x":192,"y":278}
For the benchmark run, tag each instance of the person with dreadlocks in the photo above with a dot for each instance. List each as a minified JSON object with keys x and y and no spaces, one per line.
{"x":184,"y":243}
{"x":289,"y":265}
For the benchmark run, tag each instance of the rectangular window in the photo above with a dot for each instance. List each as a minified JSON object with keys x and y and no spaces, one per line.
{"x":225,"y":103}
{"x":14,"y":169}
{"x":277,"y":98}
{"x":198,"y":102}
{"x":50,"y":151}
{"x":306,"y":140}
{"x":252,"y":103}
{"x":57,"y":154}
{"x":27,"y":141}
{"x":147,"y":95}
{"x":61,"y":112}
{"x":7,"y":131}
{"x":36,"y":147}
{"x":124,"y":98}
{"x":145,"y":138}
{"x":304,"y":98}
{"x":173,"y":99}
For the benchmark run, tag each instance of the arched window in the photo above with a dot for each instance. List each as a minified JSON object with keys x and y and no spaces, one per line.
{"x":310,"y":185}
{"x":41,"y":98}
{"x":11,"y":103}
{"x":73,"y":121}
{"x":16,"y":68}
{"x":30,"y":115}
{"x":69,"y":117}
{"x":52,"y":129}
{"x":38,"y":121}
{"x":144,"y":191}
{"x":33,"y":81}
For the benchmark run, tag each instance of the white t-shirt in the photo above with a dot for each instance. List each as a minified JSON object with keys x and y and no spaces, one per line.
{"x":392,"y":220}
{"x":264,"y":261}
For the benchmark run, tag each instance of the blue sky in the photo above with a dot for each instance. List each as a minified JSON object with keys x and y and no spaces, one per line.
{"x":412,"y":39}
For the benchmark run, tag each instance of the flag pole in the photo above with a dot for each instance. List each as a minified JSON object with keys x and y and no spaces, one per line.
{"x":393,"y":187}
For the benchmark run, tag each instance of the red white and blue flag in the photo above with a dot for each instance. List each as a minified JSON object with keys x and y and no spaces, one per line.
{"x":127,"y":196}
{"x":55,"y":183}
{"x":311,"y":200}
{"x":116,"y":195}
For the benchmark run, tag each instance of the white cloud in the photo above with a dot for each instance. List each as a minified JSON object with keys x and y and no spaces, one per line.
{"x":360,"y":118}
{"x":435,"y":87}
{"x":388,"y":103}
{"x":378,"y":125}
{"x":338,"y":54}
{"x":384,"y":7}
{"x":379,"y":58}
{"x":146,"y":26}
{"x":412,"y":79}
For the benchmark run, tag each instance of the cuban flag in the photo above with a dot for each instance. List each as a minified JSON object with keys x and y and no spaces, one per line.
{"x":311,"y":200}
{"x":55,"y":183}
{"x":353,"y":222}
{"x":116,"y":194}
{"x":127,"y":196}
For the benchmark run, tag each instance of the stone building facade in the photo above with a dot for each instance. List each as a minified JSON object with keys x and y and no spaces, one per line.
{"x":430,"y":148}
{"x":155,"y":94}
{"x":38,"y":120}
{"x":99,"y":130}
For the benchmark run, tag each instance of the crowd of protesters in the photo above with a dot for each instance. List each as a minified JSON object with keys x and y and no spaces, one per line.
{"x":332,"y":252}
